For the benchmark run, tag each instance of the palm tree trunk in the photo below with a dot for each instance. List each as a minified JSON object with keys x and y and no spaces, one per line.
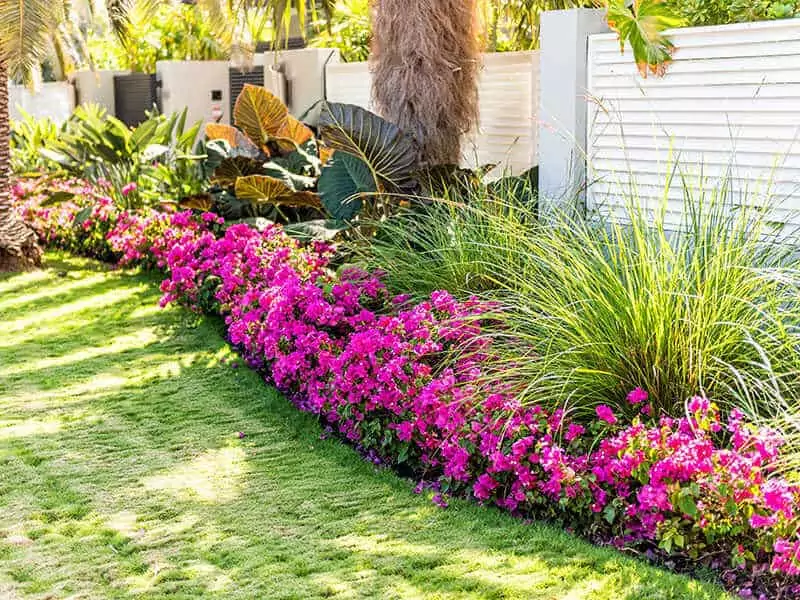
{"x":18,"y":248}
{"x":425,"y":63}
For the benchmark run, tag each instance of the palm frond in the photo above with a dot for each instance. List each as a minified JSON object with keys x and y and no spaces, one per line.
{"x":25,"y":28}
{"x":123,"y":15}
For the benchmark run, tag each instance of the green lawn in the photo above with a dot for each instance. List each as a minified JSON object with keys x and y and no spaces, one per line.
{"x":122,"y":476}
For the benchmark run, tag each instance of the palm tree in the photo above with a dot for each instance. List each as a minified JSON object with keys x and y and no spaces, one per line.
{"x":425,"y":62}
{"x":25,"y":26}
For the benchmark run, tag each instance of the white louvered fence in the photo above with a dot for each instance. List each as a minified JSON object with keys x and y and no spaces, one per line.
{"x":509,"y":91}
{"x":728,"y":107}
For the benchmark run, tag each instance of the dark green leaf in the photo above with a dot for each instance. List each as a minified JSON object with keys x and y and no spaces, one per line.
{"x":344,"y":179}
{"x":391,"y":154}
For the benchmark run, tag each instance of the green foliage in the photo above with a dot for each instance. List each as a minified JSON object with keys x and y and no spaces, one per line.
{"x":272,"y":166}
{"x":391,"y":154}
{"x":514,"y":24}
{"x":461,"y":240}
{"x":641,"y":26}
{"x":349,"y":31}
{"x":722,"y":12}
{"x":28,"y":136}
{"x":597,"y":307}
{"x":27,"y":30}
{"x":267,"y":166}
{"x":156,"y":155}
{"x":171,"y":32}
{"x":344,"y":181}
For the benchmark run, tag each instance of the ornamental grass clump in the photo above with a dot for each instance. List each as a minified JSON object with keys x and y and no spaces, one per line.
{"x":708,"y":303}
{"x":462,"y":242}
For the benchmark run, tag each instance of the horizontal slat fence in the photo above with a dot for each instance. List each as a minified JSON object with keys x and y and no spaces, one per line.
{"x":509,"y":90}
{"x":728,"y":107}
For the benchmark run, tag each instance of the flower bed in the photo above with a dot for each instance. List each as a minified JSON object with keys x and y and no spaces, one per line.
{"x":402,"y":382}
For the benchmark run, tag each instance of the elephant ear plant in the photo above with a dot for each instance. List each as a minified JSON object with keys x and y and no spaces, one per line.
{"x":270,"y":165}
{"x":358,"y":170}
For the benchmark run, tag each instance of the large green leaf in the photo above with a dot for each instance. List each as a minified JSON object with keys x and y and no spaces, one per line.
{"x":259,"y":114}
{"x":642,"y":26}
{"x":441,"y":180}
{"x":521,"y":189}
{"x":342,"y":184}
{"x":391,"y":154}
{"x":231,"y":169}
{"x":260,"y":189}
{"x":317,"y":229}
{"x":281,"y":169}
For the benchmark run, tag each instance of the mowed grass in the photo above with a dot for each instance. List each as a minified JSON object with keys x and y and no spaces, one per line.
{"x":122,"y":475}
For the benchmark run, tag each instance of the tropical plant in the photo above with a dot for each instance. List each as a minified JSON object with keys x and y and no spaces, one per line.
{"x":721,"y":12}
{"x":162,"y":32}
{"x":349,"y":30}
{"x":641,"y":25}
{"x":515,"y":24}
{"x":134,"y":165}
{"x":28,"y":136}
{"x":271,"y":165}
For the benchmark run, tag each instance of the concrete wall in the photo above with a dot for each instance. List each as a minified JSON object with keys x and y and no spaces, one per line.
{"x":96,"y":87}
{"x":189,"y":84}
{"x":304,"y":74}
{"x":55,"y":100}
{"x":563,"y":102}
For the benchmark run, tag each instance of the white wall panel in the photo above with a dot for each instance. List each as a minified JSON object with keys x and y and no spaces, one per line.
{"x":349,"y":83}
{"x":508,"y":127}
{"x":55,"y":100}
{"x":508,"y":89}
{"x":729,"y":106}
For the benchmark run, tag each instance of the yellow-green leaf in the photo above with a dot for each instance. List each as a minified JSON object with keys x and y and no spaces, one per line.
{"x":259,"y":114}
{"x":261,"y":189}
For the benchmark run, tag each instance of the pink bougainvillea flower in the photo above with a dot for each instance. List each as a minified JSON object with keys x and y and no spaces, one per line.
{"x":637,"y":396}
{"x":128,"y":188}
{"x":604,"y":413}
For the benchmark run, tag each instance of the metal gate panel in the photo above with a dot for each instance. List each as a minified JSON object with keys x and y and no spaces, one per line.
{"x":134,"y":94}
{"x":239,"y":77}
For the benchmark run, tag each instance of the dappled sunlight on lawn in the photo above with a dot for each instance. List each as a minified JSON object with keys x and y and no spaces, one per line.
{"x":216,"y":476}
{"x":12,"y":282}
{"x":64,"y":310}
{"x":15,"y":429}
{"x":140,"y":339}
{"x":45,"y":400}
{"x":50,"y":292}
{"x":123,"y":475}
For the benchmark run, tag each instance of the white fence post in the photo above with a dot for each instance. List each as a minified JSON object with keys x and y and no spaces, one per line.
{"x":563,"y":102}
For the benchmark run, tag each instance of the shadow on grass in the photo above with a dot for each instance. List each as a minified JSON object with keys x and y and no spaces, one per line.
{"x":129,"y":478}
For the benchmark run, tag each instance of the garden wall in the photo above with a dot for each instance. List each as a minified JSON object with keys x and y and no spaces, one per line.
{"x":729,"y":105}
{"x":53,"y":99}
{"x":509,"y":90}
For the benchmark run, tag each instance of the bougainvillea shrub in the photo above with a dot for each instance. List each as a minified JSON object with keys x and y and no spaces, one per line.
{"x":402,"y":382}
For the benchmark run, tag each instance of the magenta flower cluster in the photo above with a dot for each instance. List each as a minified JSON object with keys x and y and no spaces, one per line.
{"x":403,"y":382}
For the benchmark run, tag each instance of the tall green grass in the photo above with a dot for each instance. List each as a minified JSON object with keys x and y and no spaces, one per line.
{"x":709,"y":304}
{"x":595,"y":307}
{"x":462,"y":241}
